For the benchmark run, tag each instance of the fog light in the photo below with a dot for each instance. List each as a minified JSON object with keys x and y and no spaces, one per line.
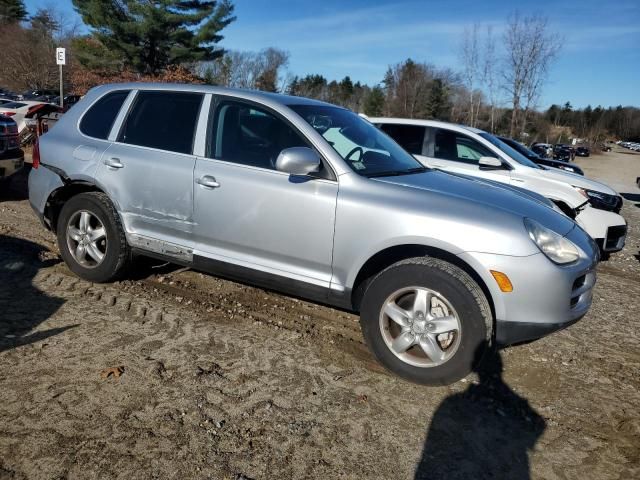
{"x":502,"y":280}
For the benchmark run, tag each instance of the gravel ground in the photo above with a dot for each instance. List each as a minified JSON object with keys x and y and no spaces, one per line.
{"x":176,"y":374}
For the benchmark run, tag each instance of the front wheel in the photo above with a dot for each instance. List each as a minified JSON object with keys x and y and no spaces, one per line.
{"x":426,"y":320}
{"x":91,"y":238}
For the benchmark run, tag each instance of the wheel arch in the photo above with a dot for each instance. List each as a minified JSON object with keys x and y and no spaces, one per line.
{"x":390,"y":255}
{"x":59,"y":196}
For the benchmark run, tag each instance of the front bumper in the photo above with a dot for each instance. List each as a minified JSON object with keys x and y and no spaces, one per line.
{"x":546,"y":297}
{"x":608,"y":229}
{"x":513,"y":333}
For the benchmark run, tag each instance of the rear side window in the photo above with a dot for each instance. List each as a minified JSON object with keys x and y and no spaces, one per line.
{"x":163,"y":120}
{"x":98,"y":120}
{"x":410,"y":137}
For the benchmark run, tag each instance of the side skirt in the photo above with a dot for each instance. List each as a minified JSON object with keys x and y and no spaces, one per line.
{"x":257,"y":278}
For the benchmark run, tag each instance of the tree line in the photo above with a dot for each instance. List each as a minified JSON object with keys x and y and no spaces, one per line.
{"x":496,"y":88}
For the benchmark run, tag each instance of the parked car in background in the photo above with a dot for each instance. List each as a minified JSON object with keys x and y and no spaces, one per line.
{"x":583,"y":151}
{"x":547,"y":162}
{"x":470,"y":151}
{"x":544,"y":150}
{"x":308,"y":198}
{"x":67,"y":102}
{"x":11,"y":156}
{"x":39,"y":95}
{"x":564,"y":152}
{"x":20,"y":110}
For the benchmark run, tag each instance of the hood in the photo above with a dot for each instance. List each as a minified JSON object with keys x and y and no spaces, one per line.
{"x":576,"y":180}
{"x":492,"y":194}
{"x":536,"y":197}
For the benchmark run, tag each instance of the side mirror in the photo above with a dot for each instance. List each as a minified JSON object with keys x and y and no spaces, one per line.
{"x":490,"y":163}
{"x":298,"y":161}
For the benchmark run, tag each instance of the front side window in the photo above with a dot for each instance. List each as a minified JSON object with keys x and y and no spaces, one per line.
{"x":98,"y":120}
{"x":410,"y":137}
{"x":248,"y":135}
{"x":162,"y":119}
{"x":510,"y":151}
{"x":365,"y":148}
{"x":455,"y":146}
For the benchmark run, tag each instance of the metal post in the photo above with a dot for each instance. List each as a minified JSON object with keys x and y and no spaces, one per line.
{"x":61,"y":97}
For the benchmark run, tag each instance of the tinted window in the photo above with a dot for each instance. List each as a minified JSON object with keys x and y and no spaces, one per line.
{"x":98,"y":120}
{"x":410,"y":137}
{"x":450,"y":145}
{"x":514,"y":154}
{"x":249,"y":135}
{"x":163,"y":120}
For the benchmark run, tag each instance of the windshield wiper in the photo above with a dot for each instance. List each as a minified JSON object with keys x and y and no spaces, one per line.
{"x":395,"y":173}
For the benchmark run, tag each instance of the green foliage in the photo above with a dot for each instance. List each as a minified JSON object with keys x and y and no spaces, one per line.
{"x":374,"y":104}
{"x":150,"y":35}
{"x":92,"y":54}
{"x":12,"y":11}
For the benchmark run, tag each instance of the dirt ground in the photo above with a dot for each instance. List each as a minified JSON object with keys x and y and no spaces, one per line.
{"x":211,"y":379}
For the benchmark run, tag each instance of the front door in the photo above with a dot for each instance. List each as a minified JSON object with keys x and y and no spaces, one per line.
{"x":458,"y":153}
{"x":249,"y":214}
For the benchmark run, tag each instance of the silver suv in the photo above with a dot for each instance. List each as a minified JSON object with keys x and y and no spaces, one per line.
{"x":307,"y":198}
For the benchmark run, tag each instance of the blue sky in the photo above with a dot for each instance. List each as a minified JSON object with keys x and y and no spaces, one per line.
{"x":598,"y":64}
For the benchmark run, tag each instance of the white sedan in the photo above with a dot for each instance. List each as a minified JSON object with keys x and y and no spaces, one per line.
{"x":18,"y":110}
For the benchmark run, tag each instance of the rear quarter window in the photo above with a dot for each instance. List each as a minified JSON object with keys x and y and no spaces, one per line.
{"x":98,"y":120}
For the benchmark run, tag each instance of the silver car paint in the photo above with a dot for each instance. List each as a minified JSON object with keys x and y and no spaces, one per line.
{"x":552,"y":183}
{"x":318,"y":231}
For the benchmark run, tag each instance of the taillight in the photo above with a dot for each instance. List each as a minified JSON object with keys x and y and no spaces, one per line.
{"x":9,"y":114}
{"x":35,"y":156}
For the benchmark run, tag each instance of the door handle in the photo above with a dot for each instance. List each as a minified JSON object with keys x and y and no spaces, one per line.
{"x":208,"y":182}
{"x":113,"y":162}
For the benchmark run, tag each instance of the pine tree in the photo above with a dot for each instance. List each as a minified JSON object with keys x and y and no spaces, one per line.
{"x":374,"y":104}
{"x":12,"y":11}
{"x":151,"y":35}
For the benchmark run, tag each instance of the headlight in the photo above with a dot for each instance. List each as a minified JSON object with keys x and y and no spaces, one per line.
{"x":557,"y":248}
{"x":602,"y":201}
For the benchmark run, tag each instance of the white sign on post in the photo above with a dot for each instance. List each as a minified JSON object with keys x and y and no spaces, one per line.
{"x":60,"y":56}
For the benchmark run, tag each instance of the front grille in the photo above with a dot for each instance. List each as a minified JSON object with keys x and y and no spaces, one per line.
{"x":615,"y":237}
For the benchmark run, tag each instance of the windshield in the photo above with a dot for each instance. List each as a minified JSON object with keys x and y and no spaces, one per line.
{"x":511,"y":152}
{"x":367,"y":150}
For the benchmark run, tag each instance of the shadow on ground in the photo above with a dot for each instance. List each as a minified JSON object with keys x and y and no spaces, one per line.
{"x":23,"y":307}
{"x":485,"y":432}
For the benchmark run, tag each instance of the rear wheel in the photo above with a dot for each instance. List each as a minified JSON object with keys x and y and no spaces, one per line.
{"x":91,"y":238}
{"x":426,"y":320}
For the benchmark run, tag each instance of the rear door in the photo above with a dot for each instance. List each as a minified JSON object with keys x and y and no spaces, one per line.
{"x":250,"y":215}
{"x":148,"y":169}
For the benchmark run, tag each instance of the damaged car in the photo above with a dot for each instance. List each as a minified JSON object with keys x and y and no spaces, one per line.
{"x":309,"y":199}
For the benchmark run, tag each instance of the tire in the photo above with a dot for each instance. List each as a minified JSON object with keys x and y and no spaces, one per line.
{"x":457,"y":302}
{"x":112,"y":245}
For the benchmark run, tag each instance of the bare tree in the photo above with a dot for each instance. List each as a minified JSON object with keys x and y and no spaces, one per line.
{"x":530,"y":50}
{"x":470,"y":57}
{"x":489,"y":74}
{"x":255,"y":70}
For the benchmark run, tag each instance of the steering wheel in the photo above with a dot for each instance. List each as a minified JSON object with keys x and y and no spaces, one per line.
{"x":356,"y":149}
